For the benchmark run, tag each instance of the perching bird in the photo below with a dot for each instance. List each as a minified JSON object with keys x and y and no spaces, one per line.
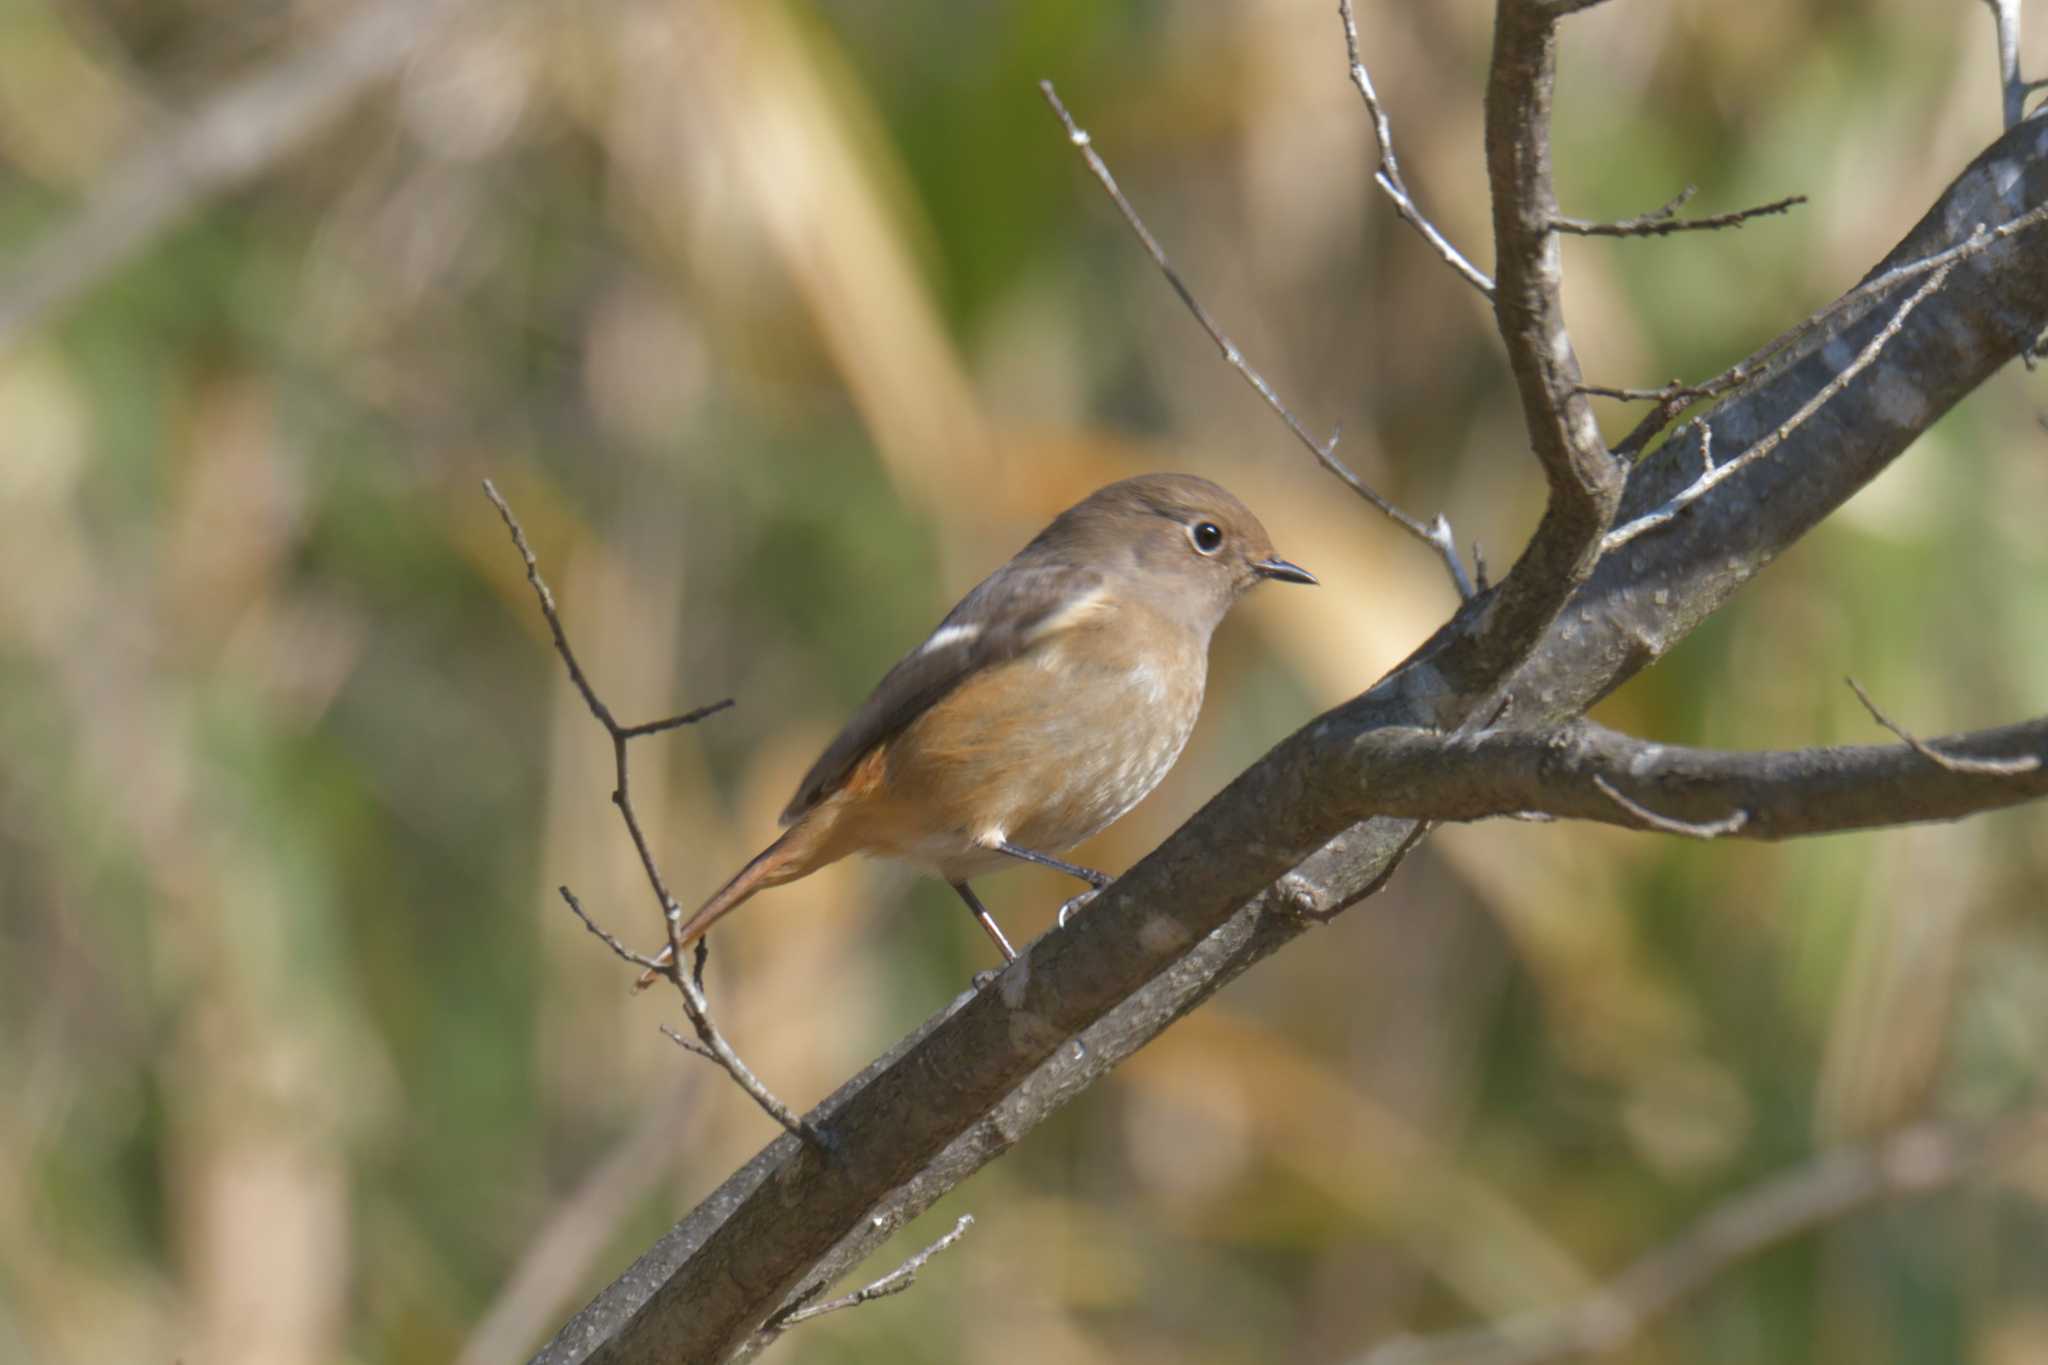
{"x":1051,"y":700}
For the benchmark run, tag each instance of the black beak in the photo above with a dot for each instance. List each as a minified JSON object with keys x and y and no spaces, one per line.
{"x":1276,"y":567}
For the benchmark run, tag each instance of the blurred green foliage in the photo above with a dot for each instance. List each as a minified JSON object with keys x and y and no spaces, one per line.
{"x":780,"y":325}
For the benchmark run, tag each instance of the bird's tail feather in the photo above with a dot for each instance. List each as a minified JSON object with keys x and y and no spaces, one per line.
{"x":789,"y":857}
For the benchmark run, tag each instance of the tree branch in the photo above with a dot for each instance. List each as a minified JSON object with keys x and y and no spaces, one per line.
{"x":895,"y":1282}
{"x":1388,"y":175}
{"x":711,"y":1044}
{"x":1585,"y":482}
{"x":1712,"y":474}
{"x":1663,"y":221}
{"x":1676,"y":397}
{"x":1584,"y":771}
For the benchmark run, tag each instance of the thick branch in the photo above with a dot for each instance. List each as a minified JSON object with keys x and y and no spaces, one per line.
{"x":1780,"y":793}
{"x":1712,"y":473}
{"x":1585,"y":483}
{"x":1675,"y":397}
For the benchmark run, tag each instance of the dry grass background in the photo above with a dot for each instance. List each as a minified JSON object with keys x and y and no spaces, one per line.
{"x":780,"y":324}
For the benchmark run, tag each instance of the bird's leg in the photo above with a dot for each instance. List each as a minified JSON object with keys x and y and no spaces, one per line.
{"x":1098,"y":880}
{"x":986,"y":921}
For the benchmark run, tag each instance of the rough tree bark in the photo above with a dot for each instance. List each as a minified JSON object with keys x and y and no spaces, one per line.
{"x":1482,"y":719}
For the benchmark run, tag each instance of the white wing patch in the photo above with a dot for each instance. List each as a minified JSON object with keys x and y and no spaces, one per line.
{"x":950,"y":635}
{"x":1070,"y":614}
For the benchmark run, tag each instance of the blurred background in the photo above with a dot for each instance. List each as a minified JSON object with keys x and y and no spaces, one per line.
{"x":781,"y":324}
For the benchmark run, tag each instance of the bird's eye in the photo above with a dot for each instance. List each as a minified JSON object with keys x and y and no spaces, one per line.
{"x":1208,"y":537}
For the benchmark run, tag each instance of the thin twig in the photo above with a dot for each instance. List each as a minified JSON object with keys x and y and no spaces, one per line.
{"x":1677,"y":389}
{"x":895,"y":1282}
{"x":1716,"y":474}
{"x":695,"y":1007}
{"x":1712,"y":829}
{"x":1661,"y":222}
{"x":1436,"y":534}
{"x":1977,"y":767}
{"x":1626,"y":395}
{"x":1980,"y":240}
{"x":1388,"y":176}
{"x":655,"y":727}
{"x":686,"y":1045}
{"x":611,"y":940}
{"x":1914,"y":1161}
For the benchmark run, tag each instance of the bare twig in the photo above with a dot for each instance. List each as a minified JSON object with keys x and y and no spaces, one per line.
{"x":236,"y":135}
{"x":1716,"y":474}
{"x":686,"y":1045}
{"x":1676,"y":391}
{"x":1713,"y":829}
{"x":1660,"y":222}
{"x":1914,"y":1161}
{"x":1681,"y":397}
{"x":895,"y":1282}
{"x":1435,"y":534}
{"x":611,"y":940}
{"x":1388,"y":176}
{"x":2015,"y":89}
{"x":695,"y":1007}
{"x":1981,"y":767}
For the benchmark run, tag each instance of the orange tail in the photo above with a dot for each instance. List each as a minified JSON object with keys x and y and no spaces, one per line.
{"x":798,"y":853}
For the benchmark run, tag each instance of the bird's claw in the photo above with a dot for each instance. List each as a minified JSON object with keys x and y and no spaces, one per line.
{"x":1077,"y":903}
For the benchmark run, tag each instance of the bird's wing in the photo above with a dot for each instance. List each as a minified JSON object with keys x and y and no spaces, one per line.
{"x":1009,"y":612}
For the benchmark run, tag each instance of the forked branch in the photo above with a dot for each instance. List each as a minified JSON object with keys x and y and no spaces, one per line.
{"x":711,"y":1044}
{"x":1388,"y":175}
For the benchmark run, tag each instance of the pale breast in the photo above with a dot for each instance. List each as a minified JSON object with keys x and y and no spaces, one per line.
{"x":1124,"y":725}
{"x":1044,"y":750}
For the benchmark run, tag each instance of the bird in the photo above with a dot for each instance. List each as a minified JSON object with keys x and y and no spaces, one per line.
{"x":1046,"y":704}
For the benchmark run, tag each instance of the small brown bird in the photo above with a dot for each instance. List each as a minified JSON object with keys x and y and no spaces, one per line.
{"x":1049,"y":702}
